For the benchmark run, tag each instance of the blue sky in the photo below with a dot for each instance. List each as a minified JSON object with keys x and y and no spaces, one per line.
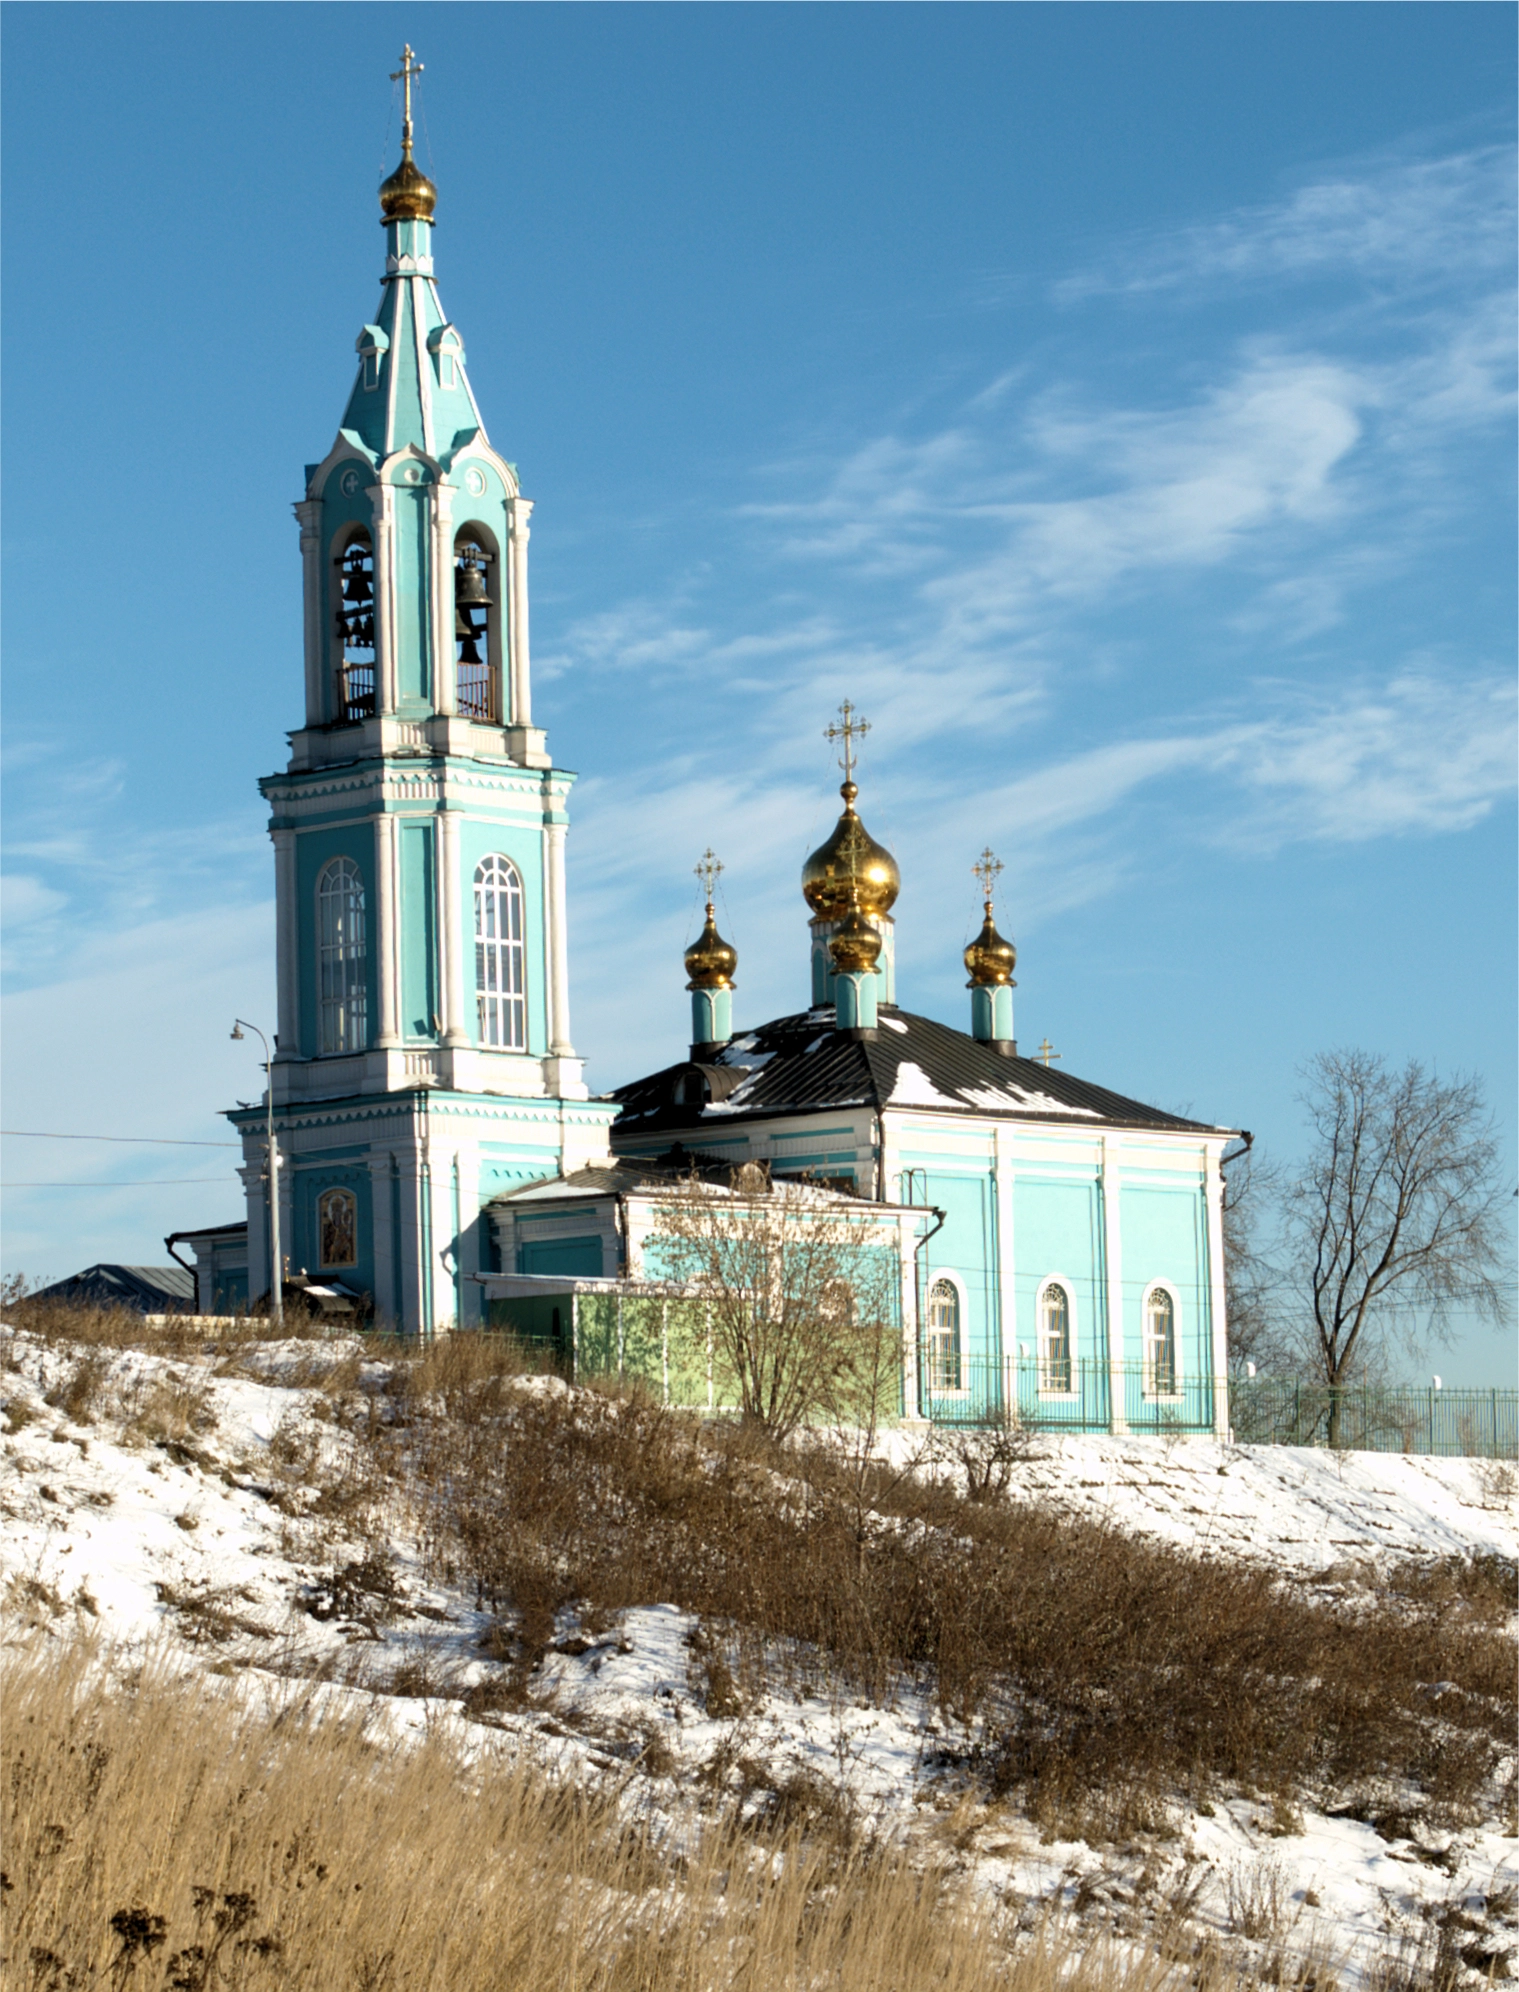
{"x":1116,"y":402}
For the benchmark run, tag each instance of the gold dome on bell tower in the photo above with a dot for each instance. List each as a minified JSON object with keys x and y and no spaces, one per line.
{"x":408,"y":195}
{"x":850,"y":861}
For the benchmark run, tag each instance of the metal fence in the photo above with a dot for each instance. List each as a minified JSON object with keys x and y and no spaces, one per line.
{"x":1268,"y":1411}
{"x":1075,"y":1396}
{"x":1080,"y":1396}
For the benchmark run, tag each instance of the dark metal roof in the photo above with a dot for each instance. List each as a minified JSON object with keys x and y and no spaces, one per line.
{"x":149,"y":1289}
{"x":803,"y":1064}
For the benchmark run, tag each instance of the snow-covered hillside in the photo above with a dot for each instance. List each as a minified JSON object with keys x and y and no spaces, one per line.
{"x":190,"y":1502}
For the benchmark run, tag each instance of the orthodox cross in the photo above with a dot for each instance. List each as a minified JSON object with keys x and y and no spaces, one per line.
{"x":1045,"y":1053}
{"x":987,"y":868}
{"x":709,"y":870}
{"x":852,"y":729}
{"x":409,"y":67}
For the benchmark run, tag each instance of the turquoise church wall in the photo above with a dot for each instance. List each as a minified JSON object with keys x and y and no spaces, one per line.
{"x":1057,"y":1228}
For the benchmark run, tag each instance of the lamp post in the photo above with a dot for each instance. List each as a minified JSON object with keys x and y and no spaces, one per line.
{"x":277,"y":1281}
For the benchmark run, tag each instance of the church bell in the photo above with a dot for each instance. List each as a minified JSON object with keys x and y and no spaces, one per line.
{"x":470,"y":591}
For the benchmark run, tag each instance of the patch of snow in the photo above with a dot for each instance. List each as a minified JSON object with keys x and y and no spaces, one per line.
{"x":895,"y":1024}
{"x":914,"y":1088}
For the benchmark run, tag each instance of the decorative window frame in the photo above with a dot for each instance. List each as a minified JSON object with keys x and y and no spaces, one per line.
{"x":1068,"y":1288}
{"x":514,"y":871}
{"x":319,"y":895}
{"x":372,"y":344}
{"x":1149,"y":1392}
{"x":962,"y":1315}
{"x":447,"y":349}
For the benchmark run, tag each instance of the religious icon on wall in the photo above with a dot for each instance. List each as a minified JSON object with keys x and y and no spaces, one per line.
{"x":337,"y":1212}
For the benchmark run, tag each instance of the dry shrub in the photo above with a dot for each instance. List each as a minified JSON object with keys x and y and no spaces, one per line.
{"x":1098,"y":1663}
{"x":173,"y":1835}
{"x":86,"y":1326}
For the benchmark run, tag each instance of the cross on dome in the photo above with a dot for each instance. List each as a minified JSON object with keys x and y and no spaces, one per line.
{"x":852,"y":729}
{"x":709,"y":869}
{"x":409,"y":67}
{"x":988,"y":869}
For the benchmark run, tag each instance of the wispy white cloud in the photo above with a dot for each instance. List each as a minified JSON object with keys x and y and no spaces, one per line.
{"x":1401,"y":221}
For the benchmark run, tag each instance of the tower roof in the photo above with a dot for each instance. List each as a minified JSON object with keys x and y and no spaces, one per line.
{"x":412,"y":389}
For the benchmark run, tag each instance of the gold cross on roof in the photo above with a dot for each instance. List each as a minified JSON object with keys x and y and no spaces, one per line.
{"x":1045,"y":1053}
{"x":409,"y":67}
{"x":987,"y":868}
{"x":709,"y":870}
{"x":852,"y":729}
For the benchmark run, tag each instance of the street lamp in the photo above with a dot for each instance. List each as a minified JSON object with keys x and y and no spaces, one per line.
{"x":276,"y":1281}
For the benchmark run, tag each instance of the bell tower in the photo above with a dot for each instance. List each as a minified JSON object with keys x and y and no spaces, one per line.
{"x":423,"y":1060}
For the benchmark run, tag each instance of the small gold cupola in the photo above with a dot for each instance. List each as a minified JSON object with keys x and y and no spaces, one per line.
{"x":991,"y":961}
{"x":408,"y":195}
{"x":856,"y":947}
{"x":711,"y":963}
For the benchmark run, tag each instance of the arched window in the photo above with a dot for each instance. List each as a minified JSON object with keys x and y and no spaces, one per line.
{"x":499,"y":978}
{"x":355,"y":631}
{"x":476,"y":621}
{"x":337,"y":1223}
{"x":1056,"y":1371}
{"x":943,"y":1351}
{"x":342,"y":996}
{"x":1160,"y":1343}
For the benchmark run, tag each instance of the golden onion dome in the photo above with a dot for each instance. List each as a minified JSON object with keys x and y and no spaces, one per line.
{"x":990,"y":959}
{"x":850,"y":856}
{"x":856,"y":947}
{"x":710,"y":960}
{"x":408,"y":195}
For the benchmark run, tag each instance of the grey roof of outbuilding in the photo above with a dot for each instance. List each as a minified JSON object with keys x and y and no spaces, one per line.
{"x":148,"y":1288}
{"x":803,"y":1064}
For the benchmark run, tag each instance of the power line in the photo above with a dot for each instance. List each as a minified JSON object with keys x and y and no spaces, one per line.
{"x":152,"y":1184}
{"x":154,"y":1140}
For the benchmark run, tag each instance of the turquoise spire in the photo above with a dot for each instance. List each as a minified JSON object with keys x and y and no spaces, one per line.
{"x":411,"y":387}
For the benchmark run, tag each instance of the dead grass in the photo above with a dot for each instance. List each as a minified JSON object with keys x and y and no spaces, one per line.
{"x":1110,"y":1675}
{"x":181,"y":1837}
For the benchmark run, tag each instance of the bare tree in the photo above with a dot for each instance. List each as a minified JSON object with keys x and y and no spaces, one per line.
{"x":1252,"y":1281}
{"x":1396,"y":1219}
{"x":800,"y":1289}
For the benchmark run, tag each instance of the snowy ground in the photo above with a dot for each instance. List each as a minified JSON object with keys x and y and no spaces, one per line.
{"x":210,"y":1541}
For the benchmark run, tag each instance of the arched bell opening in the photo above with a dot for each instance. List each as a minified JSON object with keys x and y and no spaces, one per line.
{"x":477,"y":625}
{"x":356,"y":689}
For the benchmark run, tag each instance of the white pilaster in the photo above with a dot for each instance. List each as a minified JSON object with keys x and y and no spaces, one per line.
{"x":410,"y":1317}
{"x":907,"y":1240}
{"x":309,"y":515}
{"x":383,"y":1241}
{"x":386,"y":939}
{"x":556,"y":917}
{"x":1219,"y":1308}
{"x":256,"y":1199}
{"x":1007,"y":1263}
{"x":471,"y":1233}
{"x":450,"y":949}
{"x":518,"y":512}
{"x":445,"y":689}
{"x":1112,"y":1242}
{"x":385,"y":619}
{"x":286,"y":947}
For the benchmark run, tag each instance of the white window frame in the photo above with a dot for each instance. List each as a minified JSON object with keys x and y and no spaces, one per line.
{"x":1174,"y":1394}
{"x":957,"y":1286}
{"x":342,"y":956}
{"x":1068,"y":1288}
{"x":499,"y":1005}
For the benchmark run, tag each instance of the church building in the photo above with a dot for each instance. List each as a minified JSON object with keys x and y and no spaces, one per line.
{"x":438,"y":1154}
